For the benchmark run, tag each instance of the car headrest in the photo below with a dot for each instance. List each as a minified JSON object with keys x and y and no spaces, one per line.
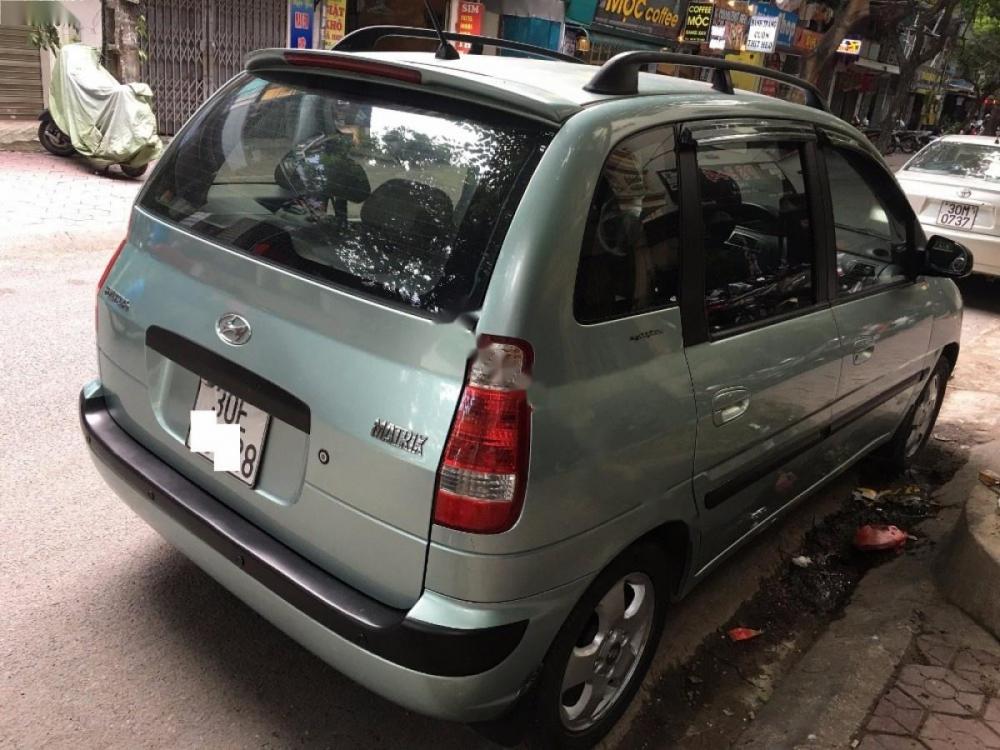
{"x":719,"y":189}
{"x":409,"y":209}
{"x":323,"y":174}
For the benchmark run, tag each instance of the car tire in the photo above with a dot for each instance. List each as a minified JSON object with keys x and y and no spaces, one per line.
{"x":611,"y":644}
{"x":916,"y":428}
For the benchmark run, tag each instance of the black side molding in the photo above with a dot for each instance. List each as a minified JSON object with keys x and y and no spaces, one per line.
{"x":737,"y":484}
{"x":376,"y":627}
{"x":235,"y":378}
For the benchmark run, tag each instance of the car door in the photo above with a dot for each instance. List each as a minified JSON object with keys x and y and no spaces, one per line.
{"x":760,"y":339}
{"x":884,"y":314}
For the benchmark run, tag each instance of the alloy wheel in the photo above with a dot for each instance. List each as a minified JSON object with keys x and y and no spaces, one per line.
{"x":605,"y":657}
{"x":923,"y":415}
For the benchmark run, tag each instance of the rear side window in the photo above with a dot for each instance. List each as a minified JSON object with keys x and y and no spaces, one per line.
{"x":759,"y":251}
{"x":629,"y":261}
{"x":404,"y":202}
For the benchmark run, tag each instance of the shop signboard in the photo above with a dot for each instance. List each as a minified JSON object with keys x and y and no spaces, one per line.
{"x":763,"y":29}
{"x":469,"y":21}
{"x":806,"y":41}
{"x":735,"y":19}
{"x":651,"y":18}
{"x":718,"y":38}
{"x":699,"y":21}
{"x":334,"y":22}
{"x":786,"y":28}
{"x":301,"y":24}
{"x":850,"y":47}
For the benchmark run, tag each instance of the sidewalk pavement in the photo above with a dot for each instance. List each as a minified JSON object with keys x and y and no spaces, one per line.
{"x":903,"y":669}
{"x":52,"y":198}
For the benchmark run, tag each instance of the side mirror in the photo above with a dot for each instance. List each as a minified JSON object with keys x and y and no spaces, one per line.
{"x":948,"y":258}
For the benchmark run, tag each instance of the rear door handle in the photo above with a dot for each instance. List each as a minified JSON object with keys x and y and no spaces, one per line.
{"x":730,"y":404}
{"x":864,"y":348}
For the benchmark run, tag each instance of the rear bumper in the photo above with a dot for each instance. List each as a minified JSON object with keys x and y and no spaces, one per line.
{"x":985,"y":248}
{"x":468,"y":672}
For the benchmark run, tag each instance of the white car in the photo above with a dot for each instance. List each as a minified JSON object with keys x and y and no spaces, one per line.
{"x":953,"y":185}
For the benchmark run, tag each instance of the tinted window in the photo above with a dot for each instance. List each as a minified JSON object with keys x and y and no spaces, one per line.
{"x":870,"y":238}
{"x":396,"y":200}
{"x":629,"y":260}
{"x":758,"y":237}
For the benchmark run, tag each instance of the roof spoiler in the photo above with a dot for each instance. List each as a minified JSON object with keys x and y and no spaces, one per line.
{"x":365,"y":40}
{"x":620,"y":75}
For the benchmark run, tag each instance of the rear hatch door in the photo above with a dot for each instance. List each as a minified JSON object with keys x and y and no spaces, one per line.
{"x":303,"y":260}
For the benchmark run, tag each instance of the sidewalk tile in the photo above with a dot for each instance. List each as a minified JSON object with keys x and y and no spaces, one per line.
{"x":940,"y":690}
{"x":896,"y":713}
{"x":938,"y":650}
{"x":944,"y":732}
{"x":889,"y":742}
{"x":981,"y":668}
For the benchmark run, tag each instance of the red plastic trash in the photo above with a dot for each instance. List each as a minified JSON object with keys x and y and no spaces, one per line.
{"x":878,"y":537}
{"x":743,"y":634}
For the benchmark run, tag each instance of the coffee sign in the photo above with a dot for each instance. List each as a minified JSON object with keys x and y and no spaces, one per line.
{"x":699,"y":21}
{"x":657,"y":18}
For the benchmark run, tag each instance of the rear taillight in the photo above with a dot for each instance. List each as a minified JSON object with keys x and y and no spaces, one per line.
{"x":480,"y":486}
{"x":106,"y":273}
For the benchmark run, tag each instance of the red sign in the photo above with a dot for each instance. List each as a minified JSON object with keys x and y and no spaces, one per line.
{"x":469,"y":21}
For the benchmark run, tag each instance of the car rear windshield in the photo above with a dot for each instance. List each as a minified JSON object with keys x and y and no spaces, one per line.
{"x":979,"y":161}
{"x":405,"y":201}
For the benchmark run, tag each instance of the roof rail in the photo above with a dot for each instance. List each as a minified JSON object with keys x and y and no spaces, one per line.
{"x":365,"y":39}
{"x":620,"y":74}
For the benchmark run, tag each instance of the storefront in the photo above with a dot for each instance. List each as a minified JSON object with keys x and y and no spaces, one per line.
{"x":613,"y":26}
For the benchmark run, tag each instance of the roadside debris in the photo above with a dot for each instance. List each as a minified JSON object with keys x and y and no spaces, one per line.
{"x":871,"y":537}
{"x":802,"y":561}
{"x":743,"y":634}
{"x":990,"y":478}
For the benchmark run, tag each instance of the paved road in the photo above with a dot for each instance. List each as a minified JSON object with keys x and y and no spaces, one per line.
{"x":108,"y":637}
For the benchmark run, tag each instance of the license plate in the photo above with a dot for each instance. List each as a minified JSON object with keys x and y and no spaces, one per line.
{"x":958,"y":215}
{"x":253,"y":422}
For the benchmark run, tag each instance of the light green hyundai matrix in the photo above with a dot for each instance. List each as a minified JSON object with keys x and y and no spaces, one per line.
{"x":519,"y":351}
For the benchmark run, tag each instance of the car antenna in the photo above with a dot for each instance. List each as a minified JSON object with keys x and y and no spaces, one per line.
{"x":445,"y":50}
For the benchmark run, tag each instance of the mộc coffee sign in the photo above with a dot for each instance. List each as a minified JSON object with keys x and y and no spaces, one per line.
{"x":654,"y":18}
{"x":699,"y":21}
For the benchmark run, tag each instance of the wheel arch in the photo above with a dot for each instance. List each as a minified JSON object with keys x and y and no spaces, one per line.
{"x":950,"y":353}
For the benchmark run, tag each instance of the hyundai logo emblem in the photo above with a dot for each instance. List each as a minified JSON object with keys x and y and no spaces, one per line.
{"x":233,"y":329}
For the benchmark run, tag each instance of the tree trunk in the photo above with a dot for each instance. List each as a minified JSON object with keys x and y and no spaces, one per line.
{"x":907,"y":72}
{"x":850,"y":14}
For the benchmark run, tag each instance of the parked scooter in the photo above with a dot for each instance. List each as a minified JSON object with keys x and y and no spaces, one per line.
{"x":57,"y":142}
{"x":93,"y":115}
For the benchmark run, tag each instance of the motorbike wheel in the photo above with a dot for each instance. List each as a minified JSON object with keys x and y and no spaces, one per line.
{"x":890,"y":148}
{"x":908,"y":145}
{"x":54,"y":140}
{"x":134,"y":171}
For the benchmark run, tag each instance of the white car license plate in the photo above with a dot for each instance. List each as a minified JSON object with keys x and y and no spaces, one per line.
{"x":958,"y":215}
{"x":253,"y":422}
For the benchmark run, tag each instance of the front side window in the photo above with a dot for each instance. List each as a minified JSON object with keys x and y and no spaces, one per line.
{"x":870,"y":237}
{"x":629,"y":260}
{"x":396,"y":199}
{"x":759,"y":253}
